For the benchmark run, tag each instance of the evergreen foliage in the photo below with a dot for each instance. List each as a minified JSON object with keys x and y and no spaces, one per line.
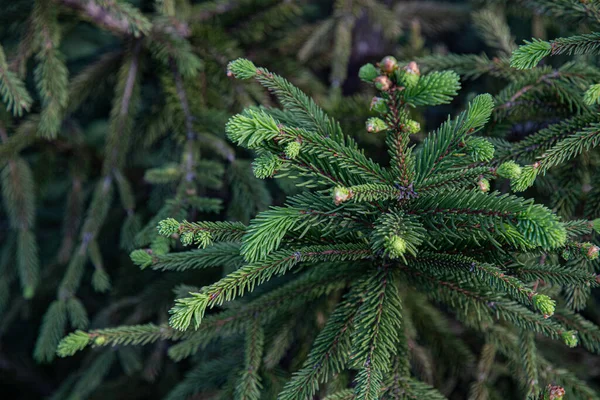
{"x":393,"y":263}
{"x":463,"y":247}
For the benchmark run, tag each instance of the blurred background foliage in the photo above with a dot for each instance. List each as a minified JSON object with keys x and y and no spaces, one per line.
{"x":80,"y":208}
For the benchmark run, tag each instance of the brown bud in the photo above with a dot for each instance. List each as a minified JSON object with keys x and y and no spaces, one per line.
{"x":592,"y":252}
{"x":388,"y":64}
{"x":412,"y":68}
{"x":555,"y":392}
{"x":383,"y":83}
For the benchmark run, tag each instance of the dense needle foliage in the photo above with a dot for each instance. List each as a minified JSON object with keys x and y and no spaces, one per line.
{"x":396,"y":263}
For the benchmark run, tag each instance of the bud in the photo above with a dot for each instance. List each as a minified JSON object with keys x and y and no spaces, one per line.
{"x":187,"y":238}
{"x":413,"y":68}
{"x":388,"y":65}
{"x":554,"y":393}
{"x":484,"y":185}
{"x":479,"y":148}
{"x":266,"y":165}
{"x":383,"y":83}
{"x":544,"y":304}
{"x":412,"y":127}
{"x":378,"y":105}
{"x":368,"y":72}
{"x":375,"y":125}
{"x":99,"y":340}
{"x":292,"y":149}
{"x":570,"y":338}
{"x":526,"y":179}
{"x":566,"y":254}
{"x":409,"y":75}
{"x":509,"y":170}
{"x":341,"y":194}
{"x":168,"y":226}
{"x":396,"y":246}
{"x":589,"y":250}
{"x":596,"y":225}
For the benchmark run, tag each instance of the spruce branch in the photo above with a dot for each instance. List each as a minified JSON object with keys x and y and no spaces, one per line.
{"x":250,"y":275}
{"x":12,"y":89}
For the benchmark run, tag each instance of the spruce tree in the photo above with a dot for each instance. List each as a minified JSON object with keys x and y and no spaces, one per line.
{"x":359,"y":262}
{"x":398,"y":267}
{"x":112,"y":119}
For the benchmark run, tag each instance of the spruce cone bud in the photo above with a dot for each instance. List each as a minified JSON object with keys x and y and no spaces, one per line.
{"x":484,"y":185}
{"x":413,"y":127}
{"x":570,"y":338}
{"x":368,"y":73}
{"x":187,"y":238}
{"x":383,"y":83}
{"x":554,"y":393}
{"x":396,"y":246}
{"x":545,"y":304}
{"x":412,"y":68}
{"x":99,"y":340}
{"x":341,"y":194}
{"x":526,"y":179}
{"x":388,"y":65}
{"x":479,"y":148}
{"x":292,"y":149}
{"x":409,"y":75}
{"x":378,"y":105}
{"x":168,"y":226}
{"x":590,"y":251}
{"x":509,"y":170}
{"x":375,"y":125}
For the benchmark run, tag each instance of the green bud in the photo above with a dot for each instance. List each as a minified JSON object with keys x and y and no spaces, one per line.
{"x":292,"y":149}
{"x":266,"y":165}
{"x":241,"y":69}
{"x":368,"y":72}
{"x":389,"y":64}
{"x":484,"y":185}
{"x":479,"y":148}
{"x":375,"y":125}
{"x":406,"y":79}
{"x":168,"y":226}
{"x":544,"y":304}
{"x":141,"y":258}
{"x":378,"y":105}
{"x":509,"y":170}
{"x":203,"y":238}
{"x":409,"y":75}
{"x":341,"y":194}
{"x":570,"y":338}
{"x":596,"y":225}
{"x":413,"y":127}
{"x":99,"y":340}
{"x":526,"y":179}
{"x":187,"y":238}
{"x":396,"y":246}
